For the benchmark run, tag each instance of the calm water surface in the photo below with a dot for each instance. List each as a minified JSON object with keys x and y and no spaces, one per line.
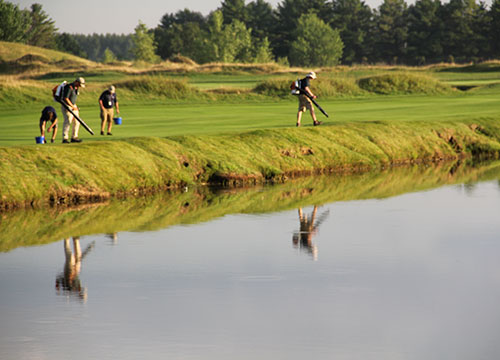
{"x":414,"y":276}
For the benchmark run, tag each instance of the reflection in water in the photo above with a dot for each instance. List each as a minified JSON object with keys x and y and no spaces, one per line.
{"x":68,"y":282}
{"x":205,"y":204}
{"x":308,"y":228}
{"x":113,"y":237}
{"x":428,"y":259}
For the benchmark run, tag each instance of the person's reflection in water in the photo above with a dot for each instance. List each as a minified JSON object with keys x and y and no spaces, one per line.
{"x":113,"y":237}
{"x":69,"y":282}
{"x":308,"y":228}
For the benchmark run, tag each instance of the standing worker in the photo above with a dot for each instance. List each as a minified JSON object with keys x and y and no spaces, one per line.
{"x":107,"y":101}
{"x":48,"y":114}
{"x":304,"y":102}
{"x":70,"y":94}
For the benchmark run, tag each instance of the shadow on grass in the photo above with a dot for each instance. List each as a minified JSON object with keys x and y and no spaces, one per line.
{"x":476,"y":68}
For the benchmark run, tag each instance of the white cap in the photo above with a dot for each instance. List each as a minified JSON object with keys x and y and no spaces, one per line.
{"x":81,"y":81}
{"x":312,"y":75}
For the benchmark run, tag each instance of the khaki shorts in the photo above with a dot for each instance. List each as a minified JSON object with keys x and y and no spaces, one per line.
{"x":107,"y":115}
{"x":304,"y":103}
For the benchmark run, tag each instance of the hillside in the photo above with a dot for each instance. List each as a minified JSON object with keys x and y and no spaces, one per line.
{"x":18,"y":58}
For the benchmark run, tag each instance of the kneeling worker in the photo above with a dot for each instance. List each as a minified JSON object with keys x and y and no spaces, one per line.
{"x":48,"y":114}
{"x":304,"y":102}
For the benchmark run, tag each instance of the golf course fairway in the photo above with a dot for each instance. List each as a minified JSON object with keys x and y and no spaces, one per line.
{"x":234,"y":124}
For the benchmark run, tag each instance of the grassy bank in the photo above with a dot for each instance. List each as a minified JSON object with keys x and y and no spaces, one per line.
{"x":219,"y":123}
{"x":76,"y":173}
{"x":41,"y":226}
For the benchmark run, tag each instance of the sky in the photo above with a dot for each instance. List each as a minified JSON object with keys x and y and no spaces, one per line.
{"x":121,"y":16}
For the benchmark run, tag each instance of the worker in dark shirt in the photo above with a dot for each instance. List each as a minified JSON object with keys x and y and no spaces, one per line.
{"x":304,"y":102}
{"x":70,"y":94}
{"x":107,"y":103}
{"x":48,"y":114}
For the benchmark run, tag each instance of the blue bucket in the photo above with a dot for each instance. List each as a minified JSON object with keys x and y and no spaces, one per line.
{"x":40,"y":139}
{"x":118,"y":120}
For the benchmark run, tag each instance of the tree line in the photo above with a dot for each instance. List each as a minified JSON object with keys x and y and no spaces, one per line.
{"x":298,"y":32}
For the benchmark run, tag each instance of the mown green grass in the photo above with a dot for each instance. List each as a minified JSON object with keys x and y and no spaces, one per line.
{"x":20,"y":126}
{"x":235,"y":122}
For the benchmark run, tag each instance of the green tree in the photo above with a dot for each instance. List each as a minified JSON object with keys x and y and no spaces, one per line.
{"x":182,"y":17}
{"x":353,"y":19}
{"x":14,"y":23}
{"x":183,"y":33}
{"x":481,"y":26}
{"x":144,"y":47}
{"x":263,"y":53}
{"x":242,"y":38}
{"x":234,"y":10}
{"x":424,"y":32}
{"x":459,"y":40}
{"x":94,"y":45}
{"x":315,"y":44}
{"x":261,"y":19}
{"x":42,"y":31}
{"x":67,"y":43}
{"x":188,"y":39}
{"x":494,"y":29}
{"x":288,"y":14}
{"x":109,"y":56}
{"x":391,"y":32}
{"x":228,"y":43}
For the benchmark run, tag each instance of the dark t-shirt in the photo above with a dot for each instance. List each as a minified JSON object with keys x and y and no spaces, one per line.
{"x":108,"y":99}
{"x":70,"y":92}
{"x":46,"y":114}
{"x":305,"y":82}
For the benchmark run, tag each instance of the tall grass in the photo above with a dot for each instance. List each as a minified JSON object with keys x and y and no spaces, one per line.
{"x":325,"y":87}
{"x":156,"y":86}
{"x":403,"y":83}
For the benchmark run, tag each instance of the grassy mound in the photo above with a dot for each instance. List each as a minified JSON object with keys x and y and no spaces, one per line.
{"x":486,"y":66}
{"x":157,"y":86}
{"x":18,"y":58}
{"x":274,"y":88}
{"x":224,"y":68}
{"x":403,"y":83}
{"x":340,"y":87}
{"x":180,"y":59}
{"x":16,"y":93}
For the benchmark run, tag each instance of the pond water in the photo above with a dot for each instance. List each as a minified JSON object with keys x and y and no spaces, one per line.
{"x":352,"y":268}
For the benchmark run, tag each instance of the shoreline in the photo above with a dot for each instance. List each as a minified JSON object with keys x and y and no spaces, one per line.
{"x":201,"y":204}
{"x":97,"y":171}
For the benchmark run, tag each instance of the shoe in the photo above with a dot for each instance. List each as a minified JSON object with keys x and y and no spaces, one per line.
{"x":298,"y":124}
{"x":76,"y":140}
{"x":102,"y":132}
{"x":318,"y":123}
{"x":51,"y":141}
{"x":65,"y":141}
{"x":110,"y":133}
